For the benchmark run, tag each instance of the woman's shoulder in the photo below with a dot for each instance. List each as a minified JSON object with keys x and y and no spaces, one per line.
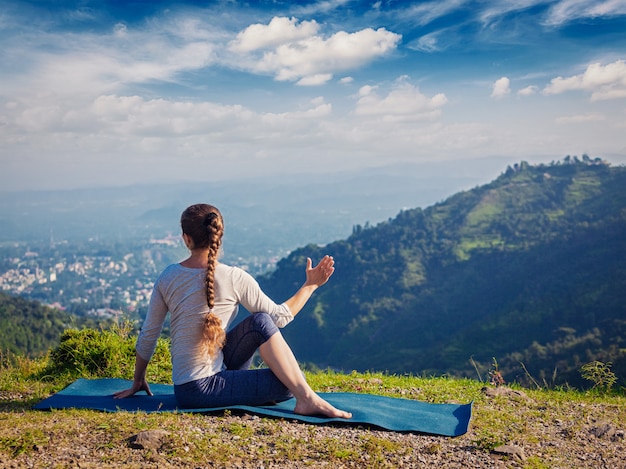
{"x":175,"y":270}
{"x":228,"y":269}
{"x":231,"y":271}
{"x":172,"y":268}
{"x":165,"y":272}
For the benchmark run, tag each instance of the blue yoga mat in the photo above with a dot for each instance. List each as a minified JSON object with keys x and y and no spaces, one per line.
{"x":389,"y":413}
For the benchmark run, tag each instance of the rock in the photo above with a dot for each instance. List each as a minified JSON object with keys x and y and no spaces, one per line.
{"x":504,"y":391}
{"x":149,"y":439}
{"x":510,"y":451}
{"x":603,"y":430}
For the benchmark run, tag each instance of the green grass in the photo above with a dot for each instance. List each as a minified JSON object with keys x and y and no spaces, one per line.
{"x":484,"y":213}
{"x":530,"y":418}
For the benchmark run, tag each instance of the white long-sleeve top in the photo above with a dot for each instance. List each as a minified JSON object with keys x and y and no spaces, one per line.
{"x":181,"y":291}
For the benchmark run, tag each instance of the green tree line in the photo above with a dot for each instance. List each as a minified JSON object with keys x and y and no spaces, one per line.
{"x":529,"y":269}
{"x":32,"y":329}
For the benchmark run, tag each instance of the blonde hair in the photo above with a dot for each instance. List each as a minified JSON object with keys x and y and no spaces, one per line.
{"x":203,"y":223}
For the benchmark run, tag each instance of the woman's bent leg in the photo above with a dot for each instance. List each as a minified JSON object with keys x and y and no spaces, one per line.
{"x":232,"y":387}
{"x":237,"y":385}
{"x":279,"y":357}
{"x":243,"y":340}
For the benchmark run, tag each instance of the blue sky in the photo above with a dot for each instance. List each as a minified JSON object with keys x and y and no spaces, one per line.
{"x":108,"y":93}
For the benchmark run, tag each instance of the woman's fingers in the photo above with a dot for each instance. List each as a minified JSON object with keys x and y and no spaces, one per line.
{"x":123,"y":394}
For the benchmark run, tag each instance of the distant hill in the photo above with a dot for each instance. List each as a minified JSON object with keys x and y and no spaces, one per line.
{"x":267,"y":216}
{"x":29,"y":328}
{"x":529,"y":269}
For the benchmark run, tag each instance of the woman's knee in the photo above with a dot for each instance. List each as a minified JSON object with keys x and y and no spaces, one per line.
{"x":264,"y":324}
{"x":261,"y":318}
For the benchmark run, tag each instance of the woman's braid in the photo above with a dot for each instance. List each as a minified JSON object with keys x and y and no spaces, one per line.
{"x":213,"y":332}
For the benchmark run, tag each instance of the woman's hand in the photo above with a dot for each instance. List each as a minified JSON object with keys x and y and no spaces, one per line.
{"x":315,"y":278}
{"x":319,"y":274}
{"x":136,"y":387}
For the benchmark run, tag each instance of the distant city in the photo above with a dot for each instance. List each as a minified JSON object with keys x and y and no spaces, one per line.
{"x":102,"y":279}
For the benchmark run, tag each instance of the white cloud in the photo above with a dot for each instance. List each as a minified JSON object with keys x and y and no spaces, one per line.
{"x":403,"y":103}
{"x":137,"y":116}
{"x":324,"y":6}
{"x":319,"y":110}
{"x":279,"y":31}
{"x":128,"y":131}
{"x":134,"y":119}
{"x":91,"y":64}
{"x":560,"y":12}
{"x":40,"y":118}
{"x":603,"y":82}
{"x":425,"y":13}
{"x":501,"y":88}
{"x":120,"y":30}
{"x":528,"y":91}
{"x":581,"y":118}
{"x":426,"y":43}
{"x":496,"y":10}
{"x":315,"y":55}
{"x":366,"y":90}
{"x":164,"y":49}
{"x":314,"y":80}
{"x":317,"y":101}
{"x":565,"y":11}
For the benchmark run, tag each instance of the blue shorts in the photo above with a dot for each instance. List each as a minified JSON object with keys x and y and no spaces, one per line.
{"x":237,"y":385}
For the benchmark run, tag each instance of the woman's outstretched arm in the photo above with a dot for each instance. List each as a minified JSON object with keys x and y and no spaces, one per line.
{"x":139,"y":381}
{"x":146,"y":343}
{"x":315,"y":278}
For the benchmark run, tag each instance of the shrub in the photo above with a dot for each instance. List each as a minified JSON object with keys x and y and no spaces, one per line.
{"x":600,"y":374}
{"x":90,"y":353}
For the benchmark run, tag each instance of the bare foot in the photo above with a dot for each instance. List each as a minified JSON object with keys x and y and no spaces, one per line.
{"x":318,"y":406}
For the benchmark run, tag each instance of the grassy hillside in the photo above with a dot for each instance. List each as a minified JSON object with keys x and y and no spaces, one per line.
{"x":529,"y":269}
{"x":538,"y":428}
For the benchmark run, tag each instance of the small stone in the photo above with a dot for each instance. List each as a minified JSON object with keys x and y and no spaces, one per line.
{"x":504,"y":391}
{"x":604,"y":430}
{"x":149,"y":439}
{"x":511,"y":451}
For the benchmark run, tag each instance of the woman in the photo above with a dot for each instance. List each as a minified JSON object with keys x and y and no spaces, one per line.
{"x":209,"y":366}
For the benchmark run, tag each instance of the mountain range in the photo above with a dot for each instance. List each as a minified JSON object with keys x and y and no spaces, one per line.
{"x":525,"y":275}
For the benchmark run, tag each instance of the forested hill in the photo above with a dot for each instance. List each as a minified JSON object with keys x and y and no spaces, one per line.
{"x":529,"y":269}
{"x":29,"y":328}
